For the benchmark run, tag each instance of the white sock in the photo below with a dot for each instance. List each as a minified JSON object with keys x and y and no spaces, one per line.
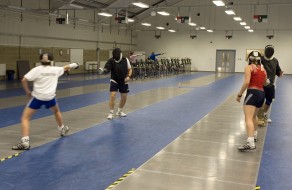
{"x":119,"y":109}
{"x":25,"y":139}
{"x":255,"y":134}
{"x":60,"y":127}
{"x":250,"y":141}
{"x":111,"y":111}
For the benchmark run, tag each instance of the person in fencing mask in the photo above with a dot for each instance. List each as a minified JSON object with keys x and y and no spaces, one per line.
{"x":255,"y":77}
{"x":273,"y":69}
{"x":121,"y":72}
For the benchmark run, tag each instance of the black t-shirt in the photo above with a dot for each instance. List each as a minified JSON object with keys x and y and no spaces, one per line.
{"x":119,"y":71}
{"x":272,"y":67}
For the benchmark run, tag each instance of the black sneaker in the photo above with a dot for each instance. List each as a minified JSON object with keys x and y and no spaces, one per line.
{"x":246,"y":146}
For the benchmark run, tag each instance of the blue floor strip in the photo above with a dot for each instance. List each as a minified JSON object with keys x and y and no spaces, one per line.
{"x":276,"y":168}
{"x":11,"y":116}
{"x":97,"y":156}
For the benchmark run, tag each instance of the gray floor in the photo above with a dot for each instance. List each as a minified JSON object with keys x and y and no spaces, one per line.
{"x":204,"y":157}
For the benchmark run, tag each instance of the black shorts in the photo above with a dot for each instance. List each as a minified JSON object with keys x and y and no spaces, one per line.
{"x":122,"y":88}
{"x":269,"y":93}
{"x":254,"y":98}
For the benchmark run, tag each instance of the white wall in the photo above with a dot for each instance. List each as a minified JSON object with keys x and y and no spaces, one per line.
{"x":203,"y":52}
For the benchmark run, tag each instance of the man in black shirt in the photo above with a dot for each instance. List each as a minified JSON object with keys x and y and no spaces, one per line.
{"x":121,"y":72}
{"x":272,"y":67}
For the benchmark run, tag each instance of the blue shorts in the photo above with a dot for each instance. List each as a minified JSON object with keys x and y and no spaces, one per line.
{"x":122,"y":88}
{"x":37,"y":104}
{"x":254,"y":98}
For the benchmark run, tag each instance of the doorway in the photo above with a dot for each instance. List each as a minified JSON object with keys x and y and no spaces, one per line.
{"x":225,"y":61}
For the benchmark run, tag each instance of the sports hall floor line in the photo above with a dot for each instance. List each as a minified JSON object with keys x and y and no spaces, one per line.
{"x":11,"y":115}
{"x":276,"y":169}
{"x":97,"y":156}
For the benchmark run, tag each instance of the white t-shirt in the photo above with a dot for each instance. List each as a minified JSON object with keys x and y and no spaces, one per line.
{"x":45,"y":80}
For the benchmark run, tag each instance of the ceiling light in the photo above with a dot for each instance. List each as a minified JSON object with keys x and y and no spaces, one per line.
{"x":250,"y":30}
{"x":146,"y":24}
{"x":105,"y":14}
{"x":131,"y":20}
{"x":247,"y":27}
{"x":209,"y":30}
{"x":229,"y":12}
{"x":171,"y":30}
{"x":192,"y":24}
{"x":163,"y":13}
{"x":237,"y":18}
{"x":202,"y":28}
{"x":141,"y":5}
{"x":14,"y":7}
{"x":243,"y":23}
{"x":76,"y":6}
{"x":219,"y":3}
{"x":160,"y":27}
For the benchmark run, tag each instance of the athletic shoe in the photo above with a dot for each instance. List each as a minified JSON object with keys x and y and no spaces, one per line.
{"x":110,"y":116}
{"x":121,"y":114}
{"x":268,"y":120}
{"x":64,"y":131}
{"x":23,"y":145}
{"x":246,"y":146}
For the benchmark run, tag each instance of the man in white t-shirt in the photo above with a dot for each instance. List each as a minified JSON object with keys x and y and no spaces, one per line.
{"x":45,"y":81}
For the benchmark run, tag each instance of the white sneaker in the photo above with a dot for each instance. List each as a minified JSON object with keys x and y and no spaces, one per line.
{"x":64,"y":131}
{"x":247,"y":146}
{"x":22,"y":145}
{"x":268,"y":120}
{"x":110,"y":116}
{"x":121,"y":114}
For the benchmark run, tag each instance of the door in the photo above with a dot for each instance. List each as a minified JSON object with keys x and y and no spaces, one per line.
{"x":225,"y":61}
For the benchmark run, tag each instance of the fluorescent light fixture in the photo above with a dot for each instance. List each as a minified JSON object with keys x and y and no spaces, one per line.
{"x":209,"y":30}
{"x":192,"y":24}
{"x":163,"y":13}
{"x":219,"y":3}
{"x":247,"y":27}
{"x":243,"y":23}
{"x":202,"y":28}
{"x":237,"y":18}
{"x":250,"y":30}
{"x":76,"y":6}
{"x":84,"y":20}
{"x":105,"y":14}
{"x":141,"y":5}
{"x":171,"y":30}
{"x":160,"y":27}
{"x":229,"y":12}
{"x":146,"y":24}
{"x":131,"y":20}
{"x":14,"y":7}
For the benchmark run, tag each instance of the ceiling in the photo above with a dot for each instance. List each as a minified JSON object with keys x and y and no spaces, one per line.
{"x":202,"y":12}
